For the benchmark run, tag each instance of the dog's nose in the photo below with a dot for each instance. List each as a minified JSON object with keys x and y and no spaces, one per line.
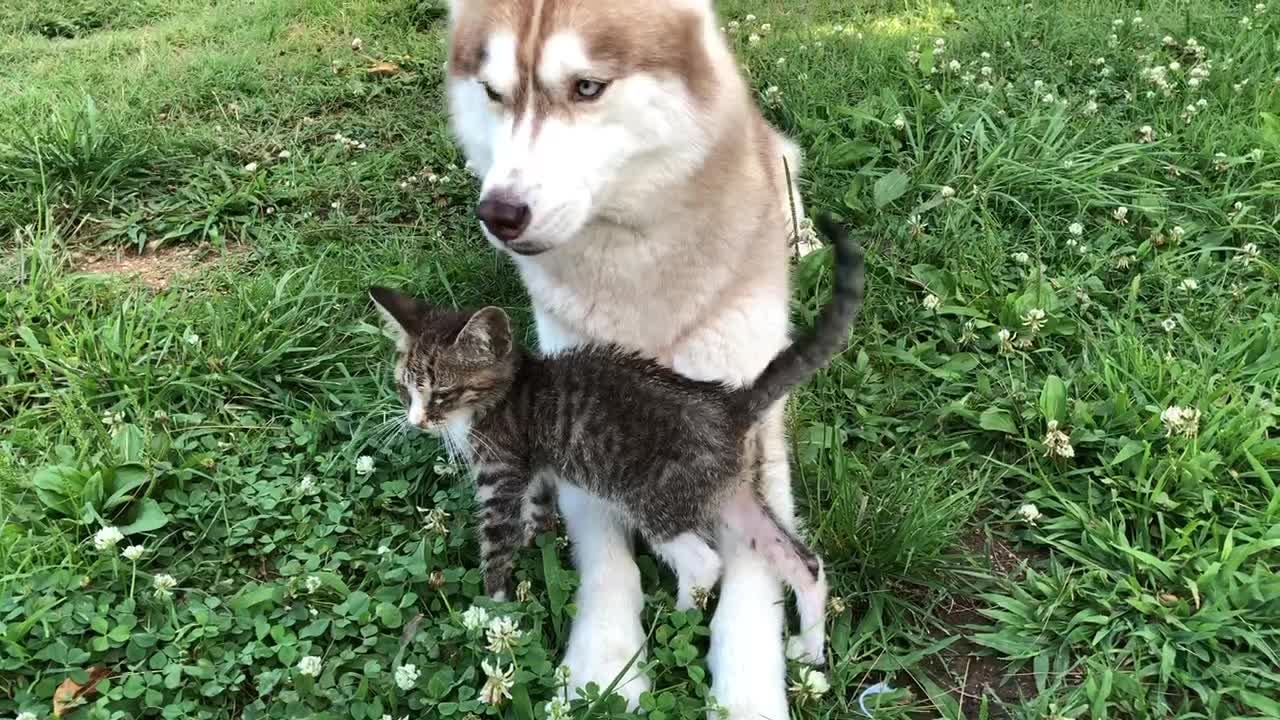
{"x":504,"y":216}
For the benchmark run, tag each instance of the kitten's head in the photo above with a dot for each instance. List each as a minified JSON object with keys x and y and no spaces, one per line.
{"x":452,"y":364}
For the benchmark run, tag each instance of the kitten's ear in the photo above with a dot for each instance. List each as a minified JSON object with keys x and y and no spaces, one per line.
{"x":402,"y":315}
{"x":486,"y":336}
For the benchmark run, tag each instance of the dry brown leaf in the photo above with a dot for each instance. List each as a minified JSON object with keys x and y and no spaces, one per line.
{"x":383,"y":69}
{"x":71,"y":694}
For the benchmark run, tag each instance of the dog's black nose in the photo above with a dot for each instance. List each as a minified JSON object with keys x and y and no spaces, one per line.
{"x":505,"y":217}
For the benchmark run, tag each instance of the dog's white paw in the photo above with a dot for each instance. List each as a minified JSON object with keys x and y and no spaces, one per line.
{"x":801,"y":649}
{"x":748,"y":669}
{"x":605,"y":652}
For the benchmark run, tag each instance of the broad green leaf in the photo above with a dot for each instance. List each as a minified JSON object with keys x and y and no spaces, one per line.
{"x":255,"y":594}
{"x":390,"y":615}
{"x":993,"y":418}
{"x":124,"y":480}
{"x":127,"y":441}
{"x":1053,"y":399}
{"x":890,"y":187}
{"x":148,"y":518}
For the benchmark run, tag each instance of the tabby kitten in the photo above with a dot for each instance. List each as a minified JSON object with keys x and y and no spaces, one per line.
{"x":667,"y":452}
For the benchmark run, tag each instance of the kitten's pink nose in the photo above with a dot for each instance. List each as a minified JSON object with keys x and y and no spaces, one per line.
{"x":503,"y":215}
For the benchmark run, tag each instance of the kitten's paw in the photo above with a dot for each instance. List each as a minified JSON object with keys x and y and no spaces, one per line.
{"x":603,"y":654}
{"x":803,"y":649}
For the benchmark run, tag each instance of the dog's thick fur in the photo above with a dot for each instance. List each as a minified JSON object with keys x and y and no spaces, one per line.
{"x":659,"y":215}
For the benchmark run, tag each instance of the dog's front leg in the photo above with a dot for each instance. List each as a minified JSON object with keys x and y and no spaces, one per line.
{"x":747,"y":662}
{"x":606,"y":634}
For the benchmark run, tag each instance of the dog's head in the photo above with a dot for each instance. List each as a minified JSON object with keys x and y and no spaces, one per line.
{"x":569,"y":109}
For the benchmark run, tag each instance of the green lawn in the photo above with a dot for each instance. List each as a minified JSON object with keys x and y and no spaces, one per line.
{"x":1078,"y":518}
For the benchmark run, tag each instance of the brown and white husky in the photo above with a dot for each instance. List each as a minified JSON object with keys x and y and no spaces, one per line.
{"x":645,"y":201}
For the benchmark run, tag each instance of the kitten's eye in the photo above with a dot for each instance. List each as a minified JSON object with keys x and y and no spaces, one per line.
{"x":586,"y":89}
{"x":493,"y":94}
{"x":440,"y":397}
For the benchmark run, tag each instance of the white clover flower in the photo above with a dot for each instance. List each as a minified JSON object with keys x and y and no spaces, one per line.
{"x":1034,"y":320}
{"x":1076,"y":229}
{"x":1121,"y":214}
{"x":1169,"y":325}
{"x":931,"y":302}
{"x":1137,"y":20}
{"x":312,"y":583}
{"x":1118,"y":22}
{"x":1260,"y":9}
{"x":1057,"y":443}
{"x":107,"y":538}
{"x":164,"y":583}
{"x":1030,"y":513}
{"x":356,"y":44}
{"x":750,"y":18}
{"x":133,"y":553}
{"x":307,"y":485}
{"x":753,"y":38}
{"x":916,"y":225}
{"x":1255,"y":155}
{"x":502,"y":634}
{"x":1021,"y":258}
{"x":562,"y":675}
{"x":475,"y":618}
{"x":1146,"y":134}
{"x":190,"y":338}
{"x":986,"y":87}
{"x":311,"y":665}
{"x":251,"y":168}
{"x":948,"y":192}
{"x":1048,"y":99}
{"x":900,"y":122}
{"x":773,"y":96}
{"x":780,"y":61}
{"x":112,"y":419}
{"x":1246,"y":22}
{"x":765,"y":27}
{"x":1091,"y":107}
{"x":407,"y":677}
{"x":25,"y":716}
{"x":811,"y":685}
{"x":435,"y":519}
{"x":1006,"y":340}
{"x":364,"y":465}
{"x":1189,"y":284}
{"x":1247,"y":253}
{"x":1184,"y":421}
{"x":558,"y":709}
{"x":284,"y":154}
{"x":498,"y":683}
{"x":986,"y":71}
{"x":954,"y":66}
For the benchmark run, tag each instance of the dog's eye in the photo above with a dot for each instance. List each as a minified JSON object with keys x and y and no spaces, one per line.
{"x":587,"y":89}
{"x":493,"y":94}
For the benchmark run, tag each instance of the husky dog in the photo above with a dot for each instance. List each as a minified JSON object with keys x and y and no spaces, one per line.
{"x":646,"y":203}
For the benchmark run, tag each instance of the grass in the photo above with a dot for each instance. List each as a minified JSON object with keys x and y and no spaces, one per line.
{"x":218,"y":421}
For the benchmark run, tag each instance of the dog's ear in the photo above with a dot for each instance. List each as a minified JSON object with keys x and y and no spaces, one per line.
{"x":402,"y":315}
{"x":486,"y":336}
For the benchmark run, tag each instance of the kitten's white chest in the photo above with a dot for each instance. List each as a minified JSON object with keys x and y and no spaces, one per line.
{"x":457,"y":437}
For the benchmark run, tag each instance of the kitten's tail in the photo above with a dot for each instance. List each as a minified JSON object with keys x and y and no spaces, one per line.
{"x":803,"y":357}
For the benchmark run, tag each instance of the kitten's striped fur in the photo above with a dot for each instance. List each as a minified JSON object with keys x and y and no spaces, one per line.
{"x":672,"y":455}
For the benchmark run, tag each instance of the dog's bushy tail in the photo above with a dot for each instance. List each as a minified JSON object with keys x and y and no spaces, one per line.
{"x":805,"y":356}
